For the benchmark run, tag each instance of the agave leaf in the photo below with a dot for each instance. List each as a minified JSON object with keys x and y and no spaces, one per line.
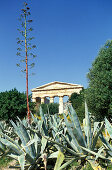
{"x":94,"y":153}
{"x":19,"y":133}
{"x":43,"y":123}
{"x":2,"y":146}
{"x":24,"y":122}
{"x":66,"y":148}
{"x":42,"y":116}
{"x":44,"y":143}
{"x":105,"y":142}
{"x":76,"y":123}
{"x":59,"y":161}
{"x":18,"y":167}
{"x":78,"y":137}
{"x":29,"y":159}
{"x":44,"y":128}
{"x":57,"y":139}
{"x":68,"y":163}
{"x":54,"y":154}
{"x":22,"y":133}
{"x":110,"y":153}
{"x":37,"y":143}
{"x":71,"y":144}
{"x":97,"y":135}
{"x":108,"y":127}
{"x":14,"y":156}
{"x":96,"y":125}
{"x":34,"y":119}
{"x":70,"y":131}
{"x":54,"y":121}
{"x":31,"y":142}
{"x":60,"y":123}
{"x":100,"y":150}
{"x":87,"y":127}
{"x":21,"y":160}
{"x":25,"y":138}
{"x":11,"y":140}
{"x":11,"y":146}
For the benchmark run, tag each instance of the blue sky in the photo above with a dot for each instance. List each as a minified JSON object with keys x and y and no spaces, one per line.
{"x":68,"y":34}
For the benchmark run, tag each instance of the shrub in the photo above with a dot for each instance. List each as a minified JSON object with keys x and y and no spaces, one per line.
{"x":13,"y":104}
{"x":50,"y":108}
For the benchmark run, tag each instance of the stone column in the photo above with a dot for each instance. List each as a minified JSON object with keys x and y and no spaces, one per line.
{"x":34,"y":100}
{"x":61,"y":104}
{"x":51,"y":99}
{"x":42,"y":100}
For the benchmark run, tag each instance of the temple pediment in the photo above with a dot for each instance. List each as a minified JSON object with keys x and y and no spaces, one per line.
{"x":57,"y":85}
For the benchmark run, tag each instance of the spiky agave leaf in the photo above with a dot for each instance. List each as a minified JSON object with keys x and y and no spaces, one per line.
{"x":76,"y":124}
{"x":11,"y":146}
{"x":60,"y":159}
{"x":108,"y":126}
{"x":44,"y":123}
{"x":21,"y":160}
{"x":2,"y":147}
{"x":24,"y":136}
{"x":12,"y":141}
{"x":64,"y":147}
{"x":94,"y":153}
{"x":87,"y":128}
{"x":65,"y":165}
{"x":43,"y":144}
{"x":95,"y":138}
{"x":106,"y":144}
{"x":70,"y":131}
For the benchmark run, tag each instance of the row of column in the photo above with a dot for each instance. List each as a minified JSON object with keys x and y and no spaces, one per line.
{"x":52,"y":101}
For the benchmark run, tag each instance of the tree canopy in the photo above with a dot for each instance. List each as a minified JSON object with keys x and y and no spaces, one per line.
{"x":77,"y":101}
{"x":99,"y":92}
{"x":13,"y":104}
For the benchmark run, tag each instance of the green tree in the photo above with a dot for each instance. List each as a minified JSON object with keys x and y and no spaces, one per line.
{"x":52,"y":108}
{"x":13,"y":104}
{"x":99,"y":92}
{"x":77,"y":101}
{"x":25,"y":47}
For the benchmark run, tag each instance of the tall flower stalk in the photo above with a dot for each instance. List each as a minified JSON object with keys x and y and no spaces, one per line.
{"x":25,"y":47}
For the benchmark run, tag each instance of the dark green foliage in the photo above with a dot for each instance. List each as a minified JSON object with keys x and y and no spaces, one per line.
{"x":99,"y":92}
{"x":50,"y":108}
{"x":13,"y":104}
{"x":77,"y":101}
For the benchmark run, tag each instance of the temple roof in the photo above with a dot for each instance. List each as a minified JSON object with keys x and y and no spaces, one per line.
{"x":57,"y":85}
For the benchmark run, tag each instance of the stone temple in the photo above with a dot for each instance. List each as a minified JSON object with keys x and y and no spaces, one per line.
{"x":54,"y":89}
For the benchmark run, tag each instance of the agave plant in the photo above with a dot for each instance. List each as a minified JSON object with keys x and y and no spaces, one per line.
{"x":7,"y":129}
{"x":80,"y":141}
{"x":28,"y":147}
{"x":108,"y":137}
{"x":50,"y":126}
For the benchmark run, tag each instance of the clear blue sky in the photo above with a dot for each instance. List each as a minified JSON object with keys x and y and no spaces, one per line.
{"x":68,"y":34}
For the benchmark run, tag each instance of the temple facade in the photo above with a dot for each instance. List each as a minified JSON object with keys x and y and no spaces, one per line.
{"x":54,"y":89}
